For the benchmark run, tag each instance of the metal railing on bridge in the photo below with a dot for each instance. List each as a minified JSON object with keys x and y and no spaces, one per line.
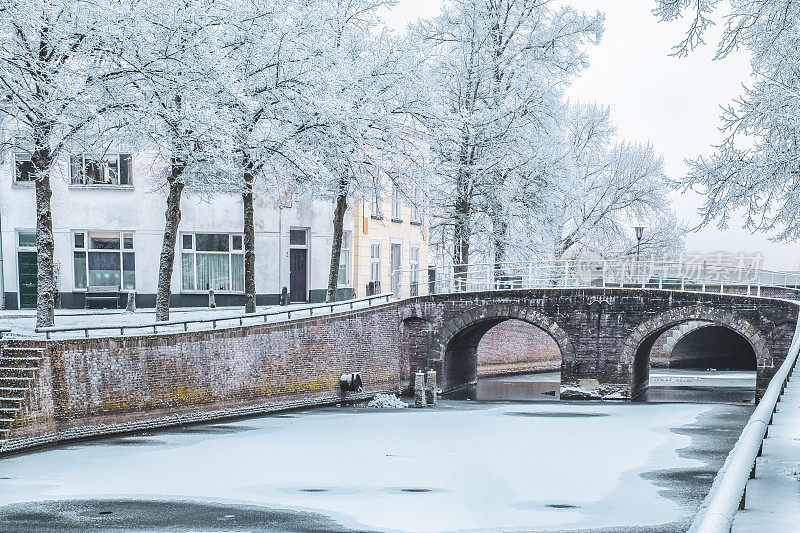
{"x":679,"y":275}
{"x":490,"y":276}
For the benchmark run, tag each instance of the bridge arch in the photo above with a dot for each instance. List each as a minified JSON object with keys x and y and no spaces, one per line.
{"x":713,"y":346}
{"x":637,"y":346}
{"x":454,"y":347}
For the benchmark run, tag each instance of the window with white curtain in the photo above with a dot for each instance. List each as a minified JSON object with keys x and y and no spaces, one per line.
{"x":414,"y":264}
{"x":375,"y":205}
{"x":375,"y":262}
{"x":103,"y":259}
{"x":415,"y":211}
{"x":212,"y":261}
{"x":395,"y":202}
{"x":345,"y":259}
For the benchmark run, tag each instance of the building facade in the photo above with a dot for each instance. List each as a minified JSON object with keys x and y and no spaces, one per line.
{"x":390,"y":243}
{"x":108,"y":223}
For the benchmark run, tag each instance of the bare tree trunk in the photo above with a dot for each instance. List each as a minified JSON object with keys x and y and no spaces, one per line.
{"x":167,"y":261}
{"x":461,"y":235}
{"x":45,"y":283}
{"x":336,"y":247}
{"x":249,"y":245}
{"x":499,"y":234}
{"x":463,"y":208}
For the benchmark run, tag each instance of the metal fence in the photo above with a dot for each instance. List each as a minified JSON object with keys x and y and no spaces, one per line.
{"x":172,"y":326}
{"x":705,"y":277}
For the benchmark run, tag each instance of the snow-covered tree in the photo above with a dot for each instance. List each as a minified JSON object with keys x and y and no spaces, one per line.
{"x":169,"y":82}
{"x":51,"y":56}
{"x":363,"y":103}
{"x":612,"y":184}
{"x":497,"y":68}
{"x":268,"y":60}
{"x":755,"y":166}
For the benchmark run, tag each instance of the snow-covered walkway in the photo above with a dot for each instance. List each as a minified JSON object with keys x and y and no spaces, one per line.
{"x":22,"y":323}
{"x":773,"y":497}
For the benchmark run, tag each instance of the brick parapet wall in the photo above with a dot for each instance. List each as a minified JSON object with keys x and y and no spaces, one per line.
{"x":90,"y":387}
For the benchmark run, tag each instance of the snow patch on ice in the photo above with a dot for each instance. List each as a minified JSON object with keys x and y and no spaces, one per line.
{"x":387,"y":401}
{"x":583,"y":393}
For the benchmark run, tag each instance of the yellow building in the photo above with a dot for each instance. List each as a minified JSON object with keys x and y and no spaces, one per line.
{"x":390,"y":246}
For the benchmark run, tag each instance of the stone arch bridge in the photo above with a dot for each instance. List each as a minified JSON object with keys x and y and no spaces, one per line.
{"x":71,"y":387}
{"x":605,"y":334}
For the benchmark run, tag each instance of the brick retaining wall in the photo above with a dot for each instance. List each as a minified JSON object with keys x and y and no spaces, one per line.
{"x":513,"y":347}
{"x":89,"y":387}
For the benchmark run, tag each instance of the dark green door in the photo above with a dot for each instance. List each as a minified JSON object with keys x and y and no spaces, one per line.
{"x":27,"y":280}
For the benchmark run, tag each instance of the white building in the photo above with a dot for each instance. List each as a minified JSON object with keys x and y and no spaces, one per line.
{"x":108,"y":222}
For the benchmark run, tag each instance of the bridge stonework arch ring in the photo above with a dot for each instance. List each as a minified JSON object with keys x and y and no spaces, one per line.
{"x":453,"y":352}
{"x":636,"y":348}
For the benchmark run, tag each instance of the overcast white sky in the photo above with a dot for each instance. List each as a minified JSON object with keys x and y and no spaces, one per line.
{"x":673,"y":103}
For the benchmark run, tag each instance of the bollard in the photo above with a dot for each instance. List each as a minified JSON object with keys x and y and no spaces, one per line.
{"x":419,"y":389}
{"x":430,"y":387}
{"x":131,"y":306}
{"x":284,"y":298}
{"x":212,"y":302}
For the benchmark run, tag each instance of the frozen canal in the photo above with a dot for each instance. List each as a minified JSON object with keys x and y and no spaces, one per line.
{"x":462,"y":466}
{"x":666,"y":385}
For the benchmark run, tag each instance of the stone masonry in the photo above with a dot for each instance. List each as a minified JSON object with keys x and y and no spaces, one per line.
{"x":604,"y":334}
{"x":99,"y":386}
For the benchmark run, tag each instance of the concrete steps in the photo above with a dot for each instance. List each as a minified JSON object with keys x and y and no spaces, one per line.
{"x":18,"y":365}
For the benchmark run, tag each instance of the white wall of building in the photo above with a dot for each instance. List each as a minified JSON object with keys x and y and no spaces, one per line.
{"x":140,"y":209}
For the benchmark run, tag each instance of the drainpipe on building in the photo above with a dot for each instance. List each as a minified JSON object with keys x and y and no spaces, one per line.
{"x":2,"y":276}
{"x":280,"y":247}
{"x":2,"y":286}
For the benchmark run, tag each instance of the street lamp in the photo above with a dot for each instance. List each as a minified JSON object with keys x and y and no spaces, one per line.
{"x":639,"y":234}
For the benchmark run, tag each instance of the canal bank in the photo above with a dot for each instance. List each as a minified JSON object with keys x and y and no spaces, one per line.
{"x":462,"y":466}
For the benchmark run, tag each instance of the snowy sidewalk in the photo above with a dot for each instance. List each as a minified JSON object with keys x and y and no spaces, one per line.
{"x":23,"y":323}
{"x":773,"y":497}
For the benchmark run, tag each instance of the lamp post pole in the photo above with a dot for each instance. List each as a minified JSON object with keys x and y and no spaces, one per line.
{"x":639,"y":234}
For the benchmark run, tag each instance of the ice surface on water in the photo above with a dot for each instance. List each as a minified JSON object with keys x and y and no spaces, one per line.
{"x":459,"y":466}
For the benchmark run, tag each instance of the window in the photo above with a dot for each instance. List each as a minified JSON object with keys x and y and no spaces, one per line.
{"x":212,"y":261}
{"x":103,"y":258}
{"x":415,"y":218}
{"x":27,"y":239}
{"x":110,"y":169}
{"x":345,"y":259}
{"x":23,"y":167}
{"x":375,"y":262}
{"x":376,"y":207}
{"x":297,"y":237}
{"x":395,"y":202}
{"x":376,"y":199}
{"x":414,"y":264}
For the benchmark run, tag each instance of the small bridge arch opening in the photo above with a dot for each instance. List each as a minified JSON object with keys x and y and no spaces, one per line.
{"x":714,"y":347}
{"x":496,"y":341}
{"x":696,"y":345}
{"x":517,"y":347}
